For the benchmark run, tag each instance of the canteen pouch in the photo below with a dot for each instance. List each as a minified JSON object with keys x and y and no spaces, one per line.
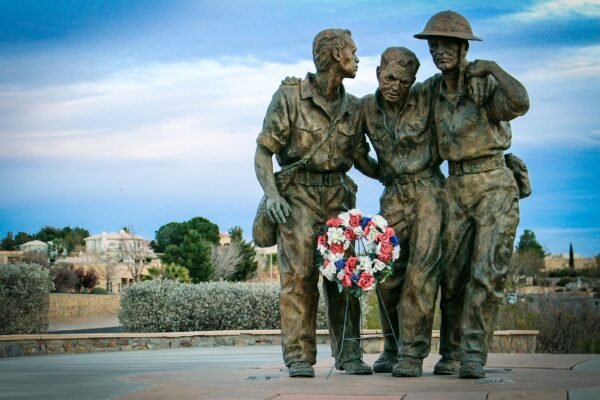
{"x":264,"y":230}
{"x":519,"y":170}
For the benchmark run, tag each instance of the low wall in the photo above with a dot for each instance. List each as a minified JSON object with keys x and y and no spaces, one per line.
{"x":66,"y":305}
{"x":23,"y":345}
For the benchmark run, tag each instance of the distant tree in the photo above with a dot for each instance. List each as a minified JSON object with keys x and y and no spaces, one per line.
{"x":35,"y":257}
{"x":527,"y":242}
{"x":174,"y":233}
{"x":8,"y":243}
{"x":86,"y":279}
{"x":597,"y":260}
{"x":171,"y":272}
{"x":48,"y":234}
{"x":522,"y":264}
{"x":571,"y":257}
{"x":74,"y":238}
{"x":188,"y":244}
{"x":133,"y":254}
{"x":225,"y":260}
{"x":65,"y":279}
{"x":22,"y":238}
{"x":11,"y":243}
{"x":56,"y":248}
{"x":248,"y":265}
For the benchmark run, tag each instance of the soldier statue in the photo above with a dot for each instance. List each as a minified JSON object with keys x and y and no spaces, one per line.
{"x":311,"y":126}
{"x":481,"y":192}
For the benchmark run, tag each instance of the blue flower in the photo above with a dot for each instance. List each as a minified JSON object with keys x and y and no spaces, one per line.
{"x":364,"y":221}
{"x":354,"y":277}
{"x":340,"y":264}
{"x":394,"y":240}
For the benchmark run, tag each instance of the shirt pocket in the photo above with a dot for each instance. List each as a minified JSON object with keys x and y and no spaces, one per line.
{"x":345,"y":137}
{"x":469,"y":122}
{"x":414,"y":131}
{"x":307,"y":136}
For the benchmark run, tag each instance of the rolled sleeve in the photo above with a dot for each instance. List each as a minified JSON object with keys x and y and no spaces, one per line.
{"x":276,"y":126}
{"x":499,"y":108}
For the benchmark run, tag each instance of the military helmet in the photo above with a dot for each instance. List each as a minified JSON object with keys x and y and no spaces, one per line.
{"x":448,"y":24}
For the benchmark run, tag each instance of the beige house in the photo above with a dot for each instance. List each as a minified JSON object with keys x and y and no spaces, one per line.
{"x":35,"y":246}
{"x":224,"y":239}
{"x":117,"y":257}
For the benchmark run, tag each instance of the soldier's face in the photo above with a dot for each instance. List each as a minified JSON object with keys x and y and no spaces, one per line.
{"x":445,"y":53}
{"x":395,"y":81}
{"x":349,"y":60}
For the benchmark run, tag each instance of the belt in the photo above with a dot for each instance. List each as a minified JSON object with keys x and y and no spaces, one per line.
{"x":476,"y":165}
{"x":403,"y":179}
{"x":319,"y":178}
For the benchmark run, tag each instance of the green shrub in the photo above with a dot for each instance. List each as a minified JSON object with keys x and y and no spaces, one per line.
{"x":564,"y":280}
{"x":567,"y":325}
{"x":515,"y":316}
{"x":98,"y":290}
{"x":24,"y":298}
{"x":170,"y":306}
{"x":560,"y":273}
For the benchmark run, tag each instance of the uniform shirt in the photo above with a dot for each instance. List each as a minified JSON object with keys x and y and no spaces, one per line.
{"x":296,"y":121}
{"x":405,"y":145}
{"x":466,"y":131}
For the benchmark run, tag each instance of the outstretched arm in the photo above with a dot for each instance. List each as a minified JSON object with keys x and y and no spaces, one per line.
{"x":277,"y":206}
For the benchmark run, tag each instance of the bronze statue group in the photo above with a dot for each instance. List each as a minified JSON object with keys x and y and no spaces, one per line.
{"x":456,"y":234}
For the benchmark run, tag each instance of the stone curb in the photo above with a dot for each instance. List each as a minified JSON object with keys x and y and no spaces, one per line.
{"x":40,"y":344}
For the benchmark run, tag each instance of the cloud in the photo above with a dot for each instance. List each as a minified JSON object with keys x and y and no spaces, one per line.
{"x":564,"y":64}
{"x":206,"y":109}
{"x":558,"y":9}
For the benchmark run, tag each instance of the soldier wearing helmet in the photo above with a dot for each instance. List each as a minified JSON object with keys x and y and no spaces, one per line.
{"x":472,"y":132}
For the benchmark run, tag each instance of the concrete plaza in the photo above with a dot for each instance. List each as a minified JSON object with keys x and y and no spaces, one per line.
{"x":257,"y":372}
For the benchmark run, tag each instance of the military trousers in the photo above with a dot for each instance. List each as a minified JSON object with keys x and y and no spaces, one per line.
{"x":407,"y":298}
{"x":483,"y":214}
{"x":311,"y":206}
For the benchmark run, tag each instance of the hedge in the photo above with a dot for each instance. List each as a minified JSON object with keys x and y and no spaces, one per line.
{"x":24,"y":298}
{"x":170,"y":306}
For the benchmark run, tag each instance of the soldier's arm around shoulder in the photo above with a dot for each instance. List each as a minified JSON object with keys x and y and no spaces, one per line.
{"x":290,"y":81}
{"x":362,"y":160}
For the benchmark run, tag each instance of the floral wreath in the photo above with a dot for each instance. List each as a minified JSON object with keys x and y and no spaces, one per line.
{"x":377,"y":247}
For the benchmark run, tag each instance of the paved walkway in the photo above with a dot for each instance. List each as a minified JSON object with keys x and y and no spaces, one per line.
{"x":255,"y":372}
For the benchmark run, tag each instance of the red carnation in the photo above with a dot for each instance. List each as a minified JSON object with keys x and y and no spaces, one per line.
{"x":322,"y":240}
{"x":350,"y":235}
{"x":351,"y":264}
{"x":355,"y":220}
{"x":347,"y":280}
{"x":337,"y":248}
{"x":365,"y":281}
{"x":334,"y":222}
{"x":384,"y":257}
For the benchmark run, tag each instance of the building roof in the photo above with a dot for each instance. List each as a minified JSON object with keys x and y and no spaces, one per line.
{"x":34,"y":243}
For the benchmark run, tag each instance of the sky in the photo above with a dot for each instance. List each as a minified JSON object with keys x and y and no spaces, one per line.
{"x":138,"y":113}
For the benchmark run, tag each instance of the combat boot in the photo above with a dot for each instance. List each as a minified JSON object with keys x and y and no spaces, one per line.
{"x":408,"y":367}
{"x":446,"y":366}
{"x":471,"y":370}
{"x":301,"y":369}
{"x":385,"y":363}
{"x":354,"y":367}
